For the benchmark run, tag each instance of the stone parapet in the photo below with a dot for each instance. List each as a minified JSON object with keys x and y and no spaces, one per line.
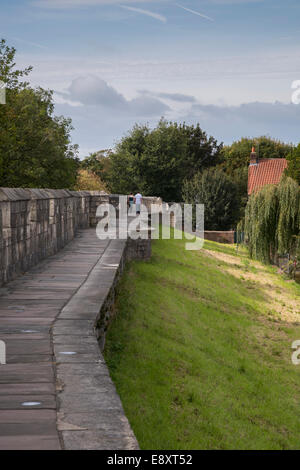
{"x":37,"y":223}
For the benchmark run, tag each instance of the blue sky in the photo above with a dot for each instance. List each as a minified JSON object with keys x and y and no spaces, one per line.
{"x":228,"y":64}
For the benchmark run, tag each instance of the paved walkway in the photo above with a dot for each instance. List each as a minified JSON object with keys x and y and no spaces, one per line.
{"x":55,"y":390}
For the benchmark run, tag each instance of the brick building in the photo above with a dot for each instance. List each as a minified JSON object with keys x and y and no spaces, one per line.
{"x":264,"y":171}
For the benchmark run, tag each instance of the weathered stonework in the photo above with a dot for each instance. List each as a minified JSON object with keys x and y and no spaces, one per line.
{"x":37,"y":223}
{"x":127,"y":251}
{"x":83,"y":321}
{"x":65,"y":305}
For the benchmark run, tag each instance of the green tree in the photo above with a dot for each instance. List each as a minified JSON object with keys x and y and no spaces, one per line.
{"x":272,"y":220}
{"x":239,"y":177}
{"x":157,"y":161}
{"x":293,"y":169}
{"x":96,"y":162}
{"x":88,"y":181}
{"x":218,"y":193}
{"x":35,"y":145}
{"x":236,"y":159}
{"x":237,"y":155}
{"x":8,"y":74}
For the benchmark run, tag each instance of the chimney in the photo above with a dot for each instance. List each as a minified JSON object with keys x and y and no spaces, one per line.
{"x":253,"y":157}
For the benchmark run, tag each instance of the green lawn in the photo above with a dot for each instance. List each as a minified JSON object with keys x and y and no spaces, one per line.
{"x":200,"y":351}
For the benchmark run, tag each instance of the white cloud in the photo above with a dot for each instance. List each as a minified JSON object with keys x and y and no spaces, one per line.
{"x":147,"y":106}
{"x":59,"y":98}
{"x":146,"y":12}
{"x":226,"y":79}
{"x":93,"y":91}
{"x":228,"y":123}
{"x":96,"y":128}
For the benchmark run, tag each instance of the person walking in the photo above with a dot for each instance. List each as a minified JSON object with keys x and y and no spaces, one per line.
{"x":130,"y":201}
{"x":138,"y":200}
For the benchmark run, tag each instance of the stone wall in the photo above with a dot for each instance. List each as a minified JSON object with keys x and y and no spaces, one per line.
{"x":220,"y":237}
{"x":36,"y":223}
{"x":117,"y":254}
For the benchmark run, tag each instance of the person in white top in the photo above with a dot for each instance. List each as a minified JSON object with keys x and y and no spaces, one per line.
{"x":138,"y":199}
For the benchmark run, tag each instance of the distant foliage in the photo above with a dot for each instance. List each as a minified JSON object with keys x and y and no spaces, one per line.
{"x":92,"y":174}
{"x":293,"y":169}
{"x":288,"y":193}
{"x":218,"y":193}
{"x":97,"y":163}
{"x":237,"y":155}
{"x":272,"y":220}
{"x":35,"y":145}
{"x":236,"y":159}
{"x":239,"y":177}
{"x":88,"y":181}
{"x":157,"y":161}
{"x":261,"y":223}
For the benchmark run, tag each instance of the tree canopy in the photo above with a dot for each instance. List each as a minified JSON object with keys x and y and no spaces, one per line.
{"x":272,"y":220}
{"x":237,"y":154}
{"x":92,"y":171}
{"x":293,"y":169}
{"x":157,"y":161}
{"x":35,"y":145}
{"x":218,"y":193}
{"x":236,"y":159}
{"x":88,"y":181}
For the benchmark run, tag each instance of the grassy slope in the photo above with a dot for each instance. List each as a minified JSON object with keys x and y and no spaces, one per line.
{"x":198,"y":358}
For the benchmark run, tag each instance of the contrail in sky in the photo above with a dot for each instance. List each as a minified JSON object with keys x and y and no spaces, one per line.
{"x":29,"y":43}
{"x":195,"y":12}
{"x":146,"y":12}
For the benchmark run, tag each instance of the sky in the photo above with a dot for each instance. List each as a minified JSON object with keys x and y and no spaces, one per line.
{"x":227,"y":64}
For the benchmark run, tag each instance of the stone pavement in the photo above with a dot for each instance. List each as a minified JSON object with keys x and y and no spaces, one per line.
{"x":55,"y":389}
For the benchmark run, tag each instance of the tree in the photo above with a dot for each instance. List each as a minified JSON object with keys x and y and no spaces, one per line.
{"x":97,"y":163}
{"x":157,"y":161}
{"x":88,"y":181}
{"x":293,"y":169}
{"x":8,"y":75}
{"x":218,"y":193}
{"x":239,"y":177}
{"x":272,"y":220}
{"x":237,"y":155}
{"x":236,"y":159}
{"x":93,"y":170}
{"x":35,"y":145}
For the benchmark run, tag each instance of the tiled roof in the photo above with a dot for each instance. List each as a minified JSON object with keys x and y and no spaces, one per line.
{"x":266,"y":171}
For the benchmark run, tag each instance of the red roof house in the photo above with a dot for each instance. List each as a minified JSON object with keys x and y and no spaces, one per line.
{"x":264,"y":171}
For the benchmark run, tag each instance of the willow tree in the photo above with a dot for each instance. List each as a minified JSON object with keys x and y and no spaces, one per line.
{"x":272,"y":220}
{"x":289,"y":214}
{"x":261,"y":222}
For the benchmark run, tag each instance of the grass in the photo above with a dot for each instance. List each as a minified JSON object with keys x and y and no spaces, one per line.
{"x":200,"y":356}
